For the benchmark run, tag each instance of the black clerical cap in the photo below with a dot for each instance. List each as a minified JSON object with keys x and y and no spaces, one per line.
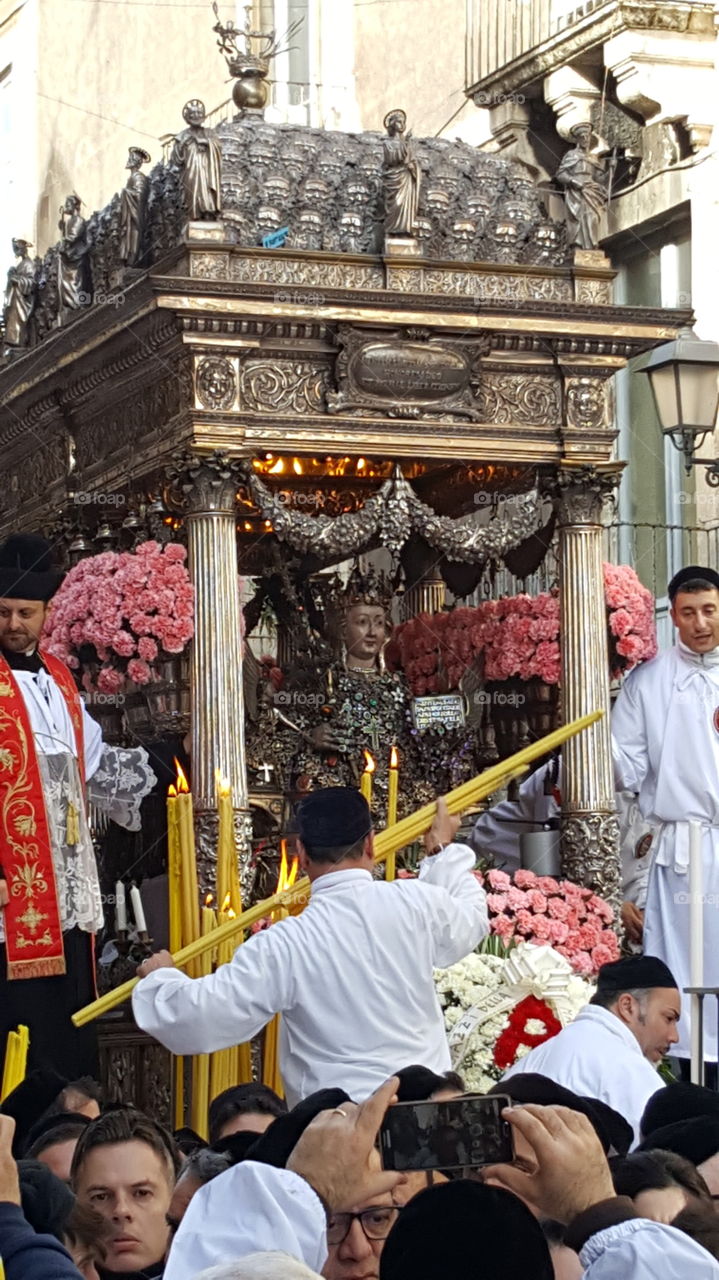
{"x":613,"y":1131}
{"x":692,"y":573}
{"x":58,"y":1120}
{"x":47,"y":1201}
{"x":416,"y":1084}
{"x":697,"y":1139}
{"x":276,"y":1144}
{"x":680,"y":1101}
{"x":26,"y":568}
{"x":635,"y":973}
{"x":333,"y":818}
{"x":237,"y":1145}
{"x":465,"y":1229}
{"x":30,"y":1100}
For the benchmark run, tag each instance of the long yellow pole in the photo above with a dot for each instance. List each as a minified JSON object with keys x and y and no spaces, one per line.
{"x":396,"y":837}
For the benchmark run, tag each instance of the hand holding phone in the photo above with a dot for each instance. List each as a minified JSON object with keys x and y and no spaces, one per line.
{"x":462,"y":1133}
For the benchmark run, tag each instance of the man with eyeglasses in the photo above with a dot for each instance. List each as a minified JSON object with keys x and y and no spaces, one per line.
{"x":355,"y":1239}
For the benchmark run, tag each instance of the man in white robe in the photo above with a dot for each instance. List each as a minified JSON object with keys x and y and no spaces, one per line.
{"x":665,"y":728}
{"x":496,"y":835}
{"x":40,"y":992}
{"x":613,"y":1047}
{"x":352,"y":975}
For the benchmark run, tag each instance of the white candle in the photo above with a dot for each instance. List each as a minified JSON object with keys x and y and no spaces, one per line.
{"x":696,"y":941}
{"x":120,"y":908}
{"x":137,"y":910}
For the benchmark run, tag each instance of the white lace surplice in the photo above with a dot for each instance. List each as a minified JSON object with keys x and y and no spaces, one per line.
{"x":118,"y":779}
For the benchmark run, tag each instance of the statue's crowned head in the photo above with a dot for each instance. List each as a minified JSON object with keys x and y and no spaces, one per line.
{"x":361,"y":616}
{"x":583,"y":133}
{"x":135,"y":157}
{"x":395,"y":121}
{"x":20,"y":247}
{"x":193,"y":112}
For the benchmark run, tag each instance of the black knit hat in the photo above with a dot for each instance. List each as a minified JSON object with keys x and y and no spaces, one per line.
{"x":692,"y":573}
{"x":697,"y":1139}
{"x":465,"y":1229}
{"x":613,"y":1131}
{"x":680,"y":1101}
{"x":333,"y":817}
{"x":26,"y":568}
{"x":635,"y":973}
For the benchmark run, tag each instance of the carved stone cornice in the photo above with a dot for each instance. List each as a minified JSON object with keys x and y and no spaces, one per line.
{"x":580,"y":493}
{"x":585,"y":33}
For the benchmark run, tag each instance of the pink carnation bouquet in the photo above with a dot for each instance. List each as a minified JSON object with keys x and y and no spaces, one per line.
{"x":539,"y":909}
{"x":517,"y":637}
{"x":121,"y":611}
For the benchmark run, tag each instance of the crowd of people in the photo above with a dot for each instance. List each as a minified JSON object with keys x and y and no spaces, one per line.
{"x":611,"y":1173}
{"x":279,"y":1193}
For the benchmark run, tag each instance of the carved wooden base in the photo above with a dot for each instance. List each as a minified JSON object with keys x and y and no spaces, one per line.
{"x":590,"y":853}
{"x":134,"y":1068}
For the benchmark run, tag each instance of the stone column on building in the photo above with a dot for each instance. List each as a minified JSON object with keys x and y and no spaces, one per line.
{"x":210,"y":486}
{"x":590,"y":832}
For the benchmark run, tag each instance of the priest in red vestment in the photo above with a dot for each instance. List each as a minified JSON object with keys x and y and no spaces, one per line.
{"x":53,"y":761}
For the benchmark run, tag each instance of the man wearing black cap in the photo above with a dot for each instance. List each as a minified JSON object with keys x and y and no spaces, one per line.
{"x":616,"y":1042}
{"x":665,"y":728}
{"x":351,"y":975}
{"x":49,"y":889}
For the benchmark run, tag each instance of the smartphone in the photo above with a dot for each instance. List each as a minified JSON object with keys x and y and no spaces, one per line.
{"x":462,"y":1133}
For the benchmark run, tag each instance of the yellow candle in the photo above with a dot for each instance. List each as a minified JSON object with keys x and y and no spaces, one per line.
{"x":366,"y":779}
{"x":392,"y":795}
{"x":225,"y":838}
{"x":393,"y":788}
{"x":188,"y":867}
{"x":201,"y":1061}
{"x":174,"y":889}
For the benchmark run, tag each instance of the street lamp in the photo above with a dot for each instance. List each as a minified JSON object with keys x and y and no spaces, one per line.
{"x":684,"y":377}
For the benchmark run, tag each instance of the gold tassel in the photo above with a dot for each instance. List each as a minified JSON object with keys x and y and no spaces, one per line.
{"x":72,"y":836}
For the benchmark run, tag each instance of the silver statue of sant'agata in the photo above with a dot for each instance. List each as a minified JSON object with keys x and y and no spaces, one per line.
{"x":401,"y":176}
{"x":19,"y":296}
{"x":584,"y":181}
{"x":72,"y":257}
{"x":197,"y":157}
{"x":133,"y":199}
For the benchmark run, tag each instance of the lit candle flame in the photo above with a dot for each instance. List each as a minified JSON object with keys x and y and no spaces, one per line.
{"x":278,"y":467}
{"x":172,"y":790}
{"x":287,"y":876}
{"x":297,"y":466}
{"x":369,"y":763}
{"x":208,"y":900}
{"x":393,"y":758}
{"x":182,"y":787}
{"x":226,"y":905}
{"x":222,"y":783}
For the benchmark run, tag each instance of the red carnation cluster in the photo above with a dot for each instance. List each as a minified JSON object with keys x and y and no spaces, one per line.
{"x":515,"y":1033}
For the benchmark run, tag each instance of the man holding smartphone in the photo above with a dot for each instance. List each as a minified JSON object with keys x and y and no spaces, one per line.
{"x":352,"y":975}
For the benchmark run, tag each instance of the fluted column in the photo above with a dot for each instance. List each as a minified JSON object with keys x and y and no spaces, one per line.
{"x":590,"y":832}
{"x":218,"y":715}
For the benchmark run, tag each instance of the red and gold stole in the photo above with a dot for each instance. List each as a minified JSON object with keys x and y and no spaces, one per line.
{"x":33,"y":930}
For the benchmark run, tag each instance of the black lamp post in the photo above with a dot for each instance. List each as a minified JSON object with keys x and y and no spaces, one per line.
{"x":684,"y":377}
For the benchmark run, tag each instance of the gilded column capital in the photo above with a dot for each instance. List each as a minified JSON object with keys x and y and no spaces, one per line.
{"x":208,"y":483}
{"x":580,"y":493}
